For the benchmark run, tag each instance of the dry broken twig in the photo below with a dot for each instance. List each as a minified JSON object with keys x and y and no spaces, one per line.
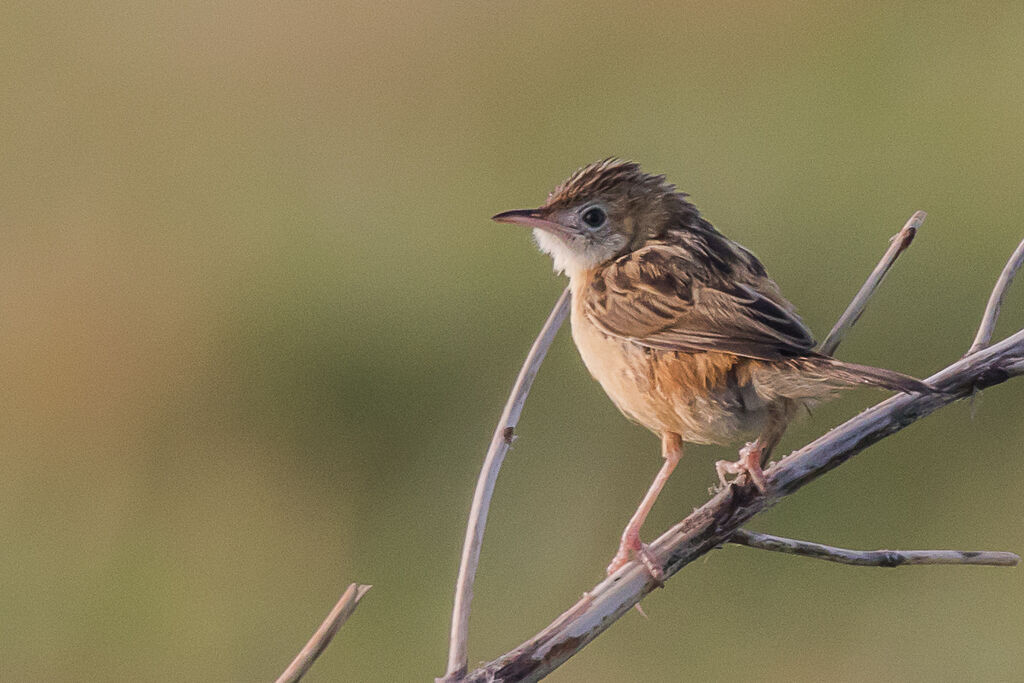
{"x":871,"y":558}
{"x":897,"y":245}
{"x":322,"y":638}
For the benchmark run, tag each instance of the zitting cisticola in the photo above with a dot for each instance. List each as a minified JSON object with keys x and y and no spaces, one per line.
{"x":682,"y":327}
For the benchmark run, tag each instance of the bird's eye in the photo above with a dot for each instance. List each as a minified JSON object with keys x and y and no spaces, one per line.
{"x":594,"y":217}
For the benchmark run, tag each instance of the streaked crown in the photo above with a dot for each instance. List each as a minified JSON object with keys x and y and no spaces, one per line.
{"x":613,"y":179}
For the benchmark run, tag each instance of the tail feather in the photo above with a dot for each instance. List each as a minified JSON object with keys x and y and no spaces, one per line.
{"x":852,"y":373}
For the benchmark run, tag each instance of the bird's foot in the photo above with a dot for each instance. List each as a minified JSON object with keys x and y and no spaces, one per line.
{"x":631,"y":544}
{"x":749,"y":463}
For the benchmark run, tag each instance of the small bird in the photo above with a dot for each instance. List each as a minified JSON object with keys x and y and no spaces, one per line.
{"x":682,"y":327}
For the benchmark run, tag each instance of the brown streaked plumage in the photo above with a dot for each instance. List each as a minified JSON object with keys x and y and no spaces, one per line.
{"x":682,"y":327}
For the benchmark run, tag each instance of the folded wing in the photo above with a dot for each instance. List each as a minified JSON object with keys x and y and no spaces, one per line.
{"x":662,"y":298}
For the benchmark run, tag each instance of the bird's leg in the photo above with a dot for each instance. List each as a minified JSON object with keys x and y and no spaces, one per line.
{"x":754,"y":455}
{"x":671,"y":450}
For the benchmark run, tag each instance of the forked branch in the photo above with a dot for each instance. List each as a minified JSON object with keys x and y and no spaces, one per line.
{"x":457,"y":651}
{"x":720,"y":519}
{"x":717,"y":521}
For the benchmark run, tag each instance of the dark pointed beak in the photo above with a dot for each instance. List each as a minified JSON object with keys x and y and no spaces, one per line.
{"x":533,"y":218}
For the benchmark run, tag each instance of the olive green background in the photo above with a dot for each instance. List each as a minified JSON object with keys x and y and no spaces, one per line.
{"x":257,"y":329}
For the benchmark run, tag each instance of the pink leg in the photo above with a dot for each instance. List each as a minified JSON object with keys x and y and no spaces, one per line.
{"x":671,"y":450}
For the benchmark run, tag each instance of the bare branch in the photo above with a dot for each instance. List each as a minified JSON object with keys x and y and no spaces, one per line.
{"x":898,"y":244}
{"x":504,"y":432}
{"x":500,"y":442}
{"x":717,"y":520}
{"x":995,"y":300}
{"x":322,"y":638}
{"x":872,"y":558}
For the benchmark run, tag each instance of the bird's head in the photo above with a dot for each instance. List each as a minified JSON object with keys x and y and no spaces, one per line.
{"x":601,"y":212}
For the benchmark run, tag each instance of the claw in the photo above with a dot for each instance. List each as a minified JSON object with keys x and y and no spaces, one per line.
{"x":650,"y":561}
{"x":631,"y":544}
{"x":749,"y":463}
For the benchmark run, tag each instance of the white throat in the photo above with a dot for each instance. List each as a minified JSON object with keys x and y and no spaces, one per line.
{"x":571,"y":257}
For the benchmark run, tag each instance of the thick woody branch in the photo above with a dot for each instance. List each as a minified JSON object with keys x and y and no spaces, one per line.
{"x":995,"y":300}
{"x":322,"y":638}
{"x":871,"y":558}
{"x":717,"y":521}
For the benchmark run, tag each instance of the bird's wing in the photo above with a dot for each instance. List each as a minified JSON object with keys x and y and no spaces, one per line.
{"x":660,"y":297}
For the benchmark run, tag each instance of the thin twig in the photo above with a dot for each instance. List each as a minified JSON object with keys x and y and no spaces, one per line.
{"x":322,"y":638}
{"x":872,"y":558}
{"x":716,"y":521}
{"x":848,"y":319}
{"x":500,"y":442}
{"x":995,"y":300}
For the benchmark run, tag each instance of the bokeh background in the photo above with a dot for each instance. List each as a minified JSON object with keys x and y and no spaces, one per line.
{"x":257,"y":329}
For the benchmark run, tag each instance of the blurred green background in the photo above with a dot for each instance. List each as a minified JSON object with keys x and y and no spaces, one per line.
{"x":257,"y":329}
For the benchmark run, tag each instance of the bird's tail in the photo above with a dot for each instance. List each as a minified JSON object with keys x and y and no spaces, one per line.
{"x":851,"y":373}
